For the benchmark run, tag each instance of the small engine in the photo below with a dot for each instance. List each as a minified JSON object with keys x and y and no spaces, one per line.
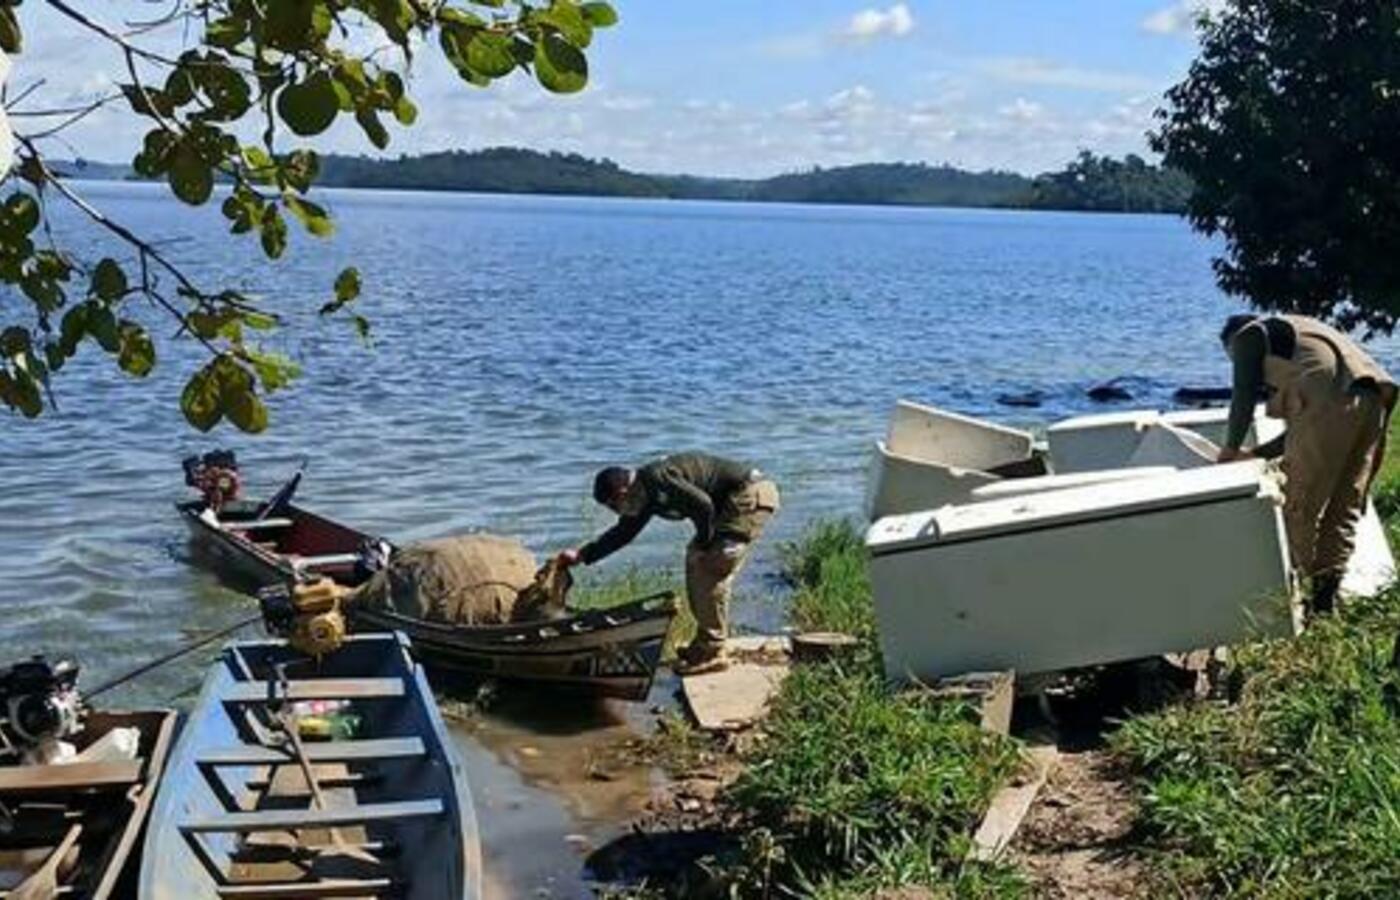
{"x":308,"y":615}
{"x":215,"y":476}
{"x":40,"y":702}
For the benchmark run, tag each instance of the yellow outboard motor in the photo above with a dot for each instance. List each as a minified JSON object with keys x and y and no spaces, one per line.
{"x":308,"y":615}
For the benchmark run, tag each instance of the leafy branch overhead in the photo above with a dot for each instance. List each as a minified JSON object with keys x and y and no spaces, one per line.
{"x":265,"y":69}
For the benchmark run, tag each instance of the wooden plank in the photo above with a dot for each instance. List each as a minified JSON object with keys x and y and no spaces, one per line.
{"x":299,"y":789}
{"x":71,"y":776}
{"x":734,"y":698}
{"x":316,"y":752}
{"x":311,"y":890}
{"x":315,"y":689}
{"x":993,"y":693}
{"x":285,"y":819}
{"x":329,"y":559}
{"x":1010,"y":805}
{"x":250,"y":525}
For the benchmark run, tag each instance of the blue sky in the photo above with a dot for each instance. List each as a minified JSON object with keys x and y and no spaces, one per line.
{"x":736,"y":87}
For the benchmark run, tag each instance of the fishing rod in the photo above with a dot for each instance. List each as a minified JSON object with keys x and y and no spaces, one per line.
{"x":172,"y":656}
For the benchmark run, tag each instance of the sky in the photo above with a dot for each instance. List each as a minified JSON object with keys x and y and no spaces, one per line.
{"x":751,"y":89}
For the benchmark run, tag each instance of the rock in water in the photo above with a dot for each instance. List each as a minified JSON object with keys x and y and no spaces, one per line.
{"x":472,"y":579}
{"x":1109,"y":393}
{"x":1027,"y":399}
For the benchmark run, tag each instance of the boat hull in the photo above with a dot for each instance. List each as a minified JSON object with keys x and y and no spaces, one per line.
{"x":608,"y":653}
{"x":398,"y":785}
{"x":114,"y":816}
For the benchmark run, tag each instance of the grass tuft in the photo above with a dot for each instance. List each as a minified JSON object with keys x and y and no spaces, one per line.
{"x":1295,"y":791}
{"x":856,"y":787}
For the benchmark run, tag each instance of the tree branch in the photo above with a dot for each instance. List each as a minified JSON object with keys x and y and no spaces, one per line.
{"x":145,"y":249}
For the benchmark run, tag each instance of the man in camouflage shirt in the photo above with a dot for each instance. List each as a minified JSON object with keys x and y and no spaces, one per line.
{"x":729,"y":504}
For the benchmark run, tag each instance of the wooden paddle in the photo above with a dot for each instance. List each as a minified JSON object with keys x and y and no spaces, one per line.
{"x":43,"y":884}
{"x":339,"y":845}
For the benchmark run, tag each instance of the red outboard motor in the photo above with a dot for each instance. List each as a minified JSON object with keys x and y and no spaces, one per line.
{"x":215,"y":476}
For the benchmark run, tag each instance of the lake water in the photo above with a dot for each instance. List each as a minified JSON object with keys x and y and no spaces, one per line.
{"x":520,"y":343}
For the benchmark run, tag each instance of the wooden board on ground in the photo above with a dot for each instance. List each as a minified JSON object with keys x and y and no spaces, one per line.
{"x":736,"y":697}
{"x":992,"y":692}
{"x":1010,"y":805}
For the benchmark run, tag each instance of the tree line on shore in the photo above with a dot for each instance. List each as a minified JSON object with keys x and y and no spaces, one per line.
{"x":1089,"y":183}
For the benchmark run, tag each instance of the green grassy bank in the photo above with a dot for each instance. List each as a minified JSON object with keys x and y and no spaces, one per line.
{"x":856,"y":787}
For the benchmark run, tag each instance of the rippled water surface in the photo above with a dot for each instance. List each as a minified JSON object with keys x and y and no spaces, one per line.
{"x":519,"y":343}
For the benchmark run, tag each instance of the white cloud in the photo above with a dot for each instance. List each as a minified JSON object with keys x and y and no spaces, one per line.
{"x":1022,"y":110}
{"x":868,"y":24}
{"x":1180,"y":17}
{"x":1030,"y":70}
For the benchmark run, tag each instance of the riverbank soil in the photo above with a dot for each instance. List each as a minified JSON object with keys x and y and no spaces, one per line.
{"x":1077,"y":839}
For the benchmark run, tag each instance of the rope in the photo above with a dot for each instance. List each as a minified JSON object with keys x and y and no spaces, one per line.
{"x":172,"y":656}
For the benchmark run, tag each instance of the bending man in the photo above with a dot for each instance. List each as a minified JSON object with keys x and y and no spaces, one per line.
{"x":1336,"y":401}
{"x":728,"y":503}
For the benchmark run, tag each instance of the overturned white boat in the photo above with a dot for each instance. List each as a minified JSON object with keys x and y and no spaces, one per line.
{"x":1136,"y":544}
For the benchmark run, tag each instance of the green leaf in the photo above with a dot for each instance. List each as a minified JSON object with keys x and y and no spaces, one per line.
{"x":599,"y":15}
{"x":227,"y":32}
{"x":102,"y":325}
{"x":147,"y":101}
{"x":73,"y":328}
{"x":200,"y":401}
{"x":156,"y":153}
{"x":11,"y":39}
{"x":257,"y":321}
{"x":227,"y":92}
{"x":489,"y":54}
{"x":362,"y":328}
{"x":274,"y":370}
{"x":347,"y":285}
{"x":247,"y":412}
{"x":21,"y":215}
{"x":108,"y":280}
{"x":300,"y":168}
{"x":373,"y":128}
{"x":312,"y":216}
{"x":570,"y":21}
{"x":454,"y":16}
{"x":180,"y":86}
{"x":309,"y":107}
{"x":45,"y":292}
{"x":191,"y":178}
{"x":560,"y":66}
{"x":14,"y":341}
{"x":256,"y":157}
{"x":138,"y":354}
{"x":25,"y":395}
{"x":405,"y":112}
{"x":274,"y":232}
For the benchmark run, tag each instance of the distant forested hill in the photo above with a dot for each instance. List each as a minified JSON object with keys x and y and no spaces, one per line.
{"x":1101,"y":184}
{"x":1089,"y":183}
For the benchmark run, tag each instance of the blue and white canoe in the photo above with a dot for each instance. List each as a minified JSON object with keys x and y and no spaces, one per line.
{"x":386,"y":812}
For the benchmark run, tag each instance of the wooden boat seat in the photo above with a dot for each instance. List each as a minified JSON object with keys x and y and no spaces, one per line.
{"x":297,"y":890}
{"x":326,"y":561}
{"x":289,"y":819}
{"x":325,"y":752}
{"x":256,"y":525}
{"x":315,"y":689}
{"x":72,"y":776}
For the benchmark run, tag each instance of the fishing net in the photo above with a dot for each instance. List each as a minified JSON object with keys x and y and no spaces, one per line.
{"x":474,"y":579}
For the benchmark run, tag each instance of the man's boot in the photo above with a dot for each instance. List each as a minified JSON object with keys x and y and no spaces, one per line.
{"x":1324,"y":594}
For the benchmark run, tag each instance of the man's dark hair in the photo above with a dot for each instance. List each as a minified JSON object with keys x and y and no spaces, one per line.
{"x":608,"y":482}
{"x":1234,"y":324}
